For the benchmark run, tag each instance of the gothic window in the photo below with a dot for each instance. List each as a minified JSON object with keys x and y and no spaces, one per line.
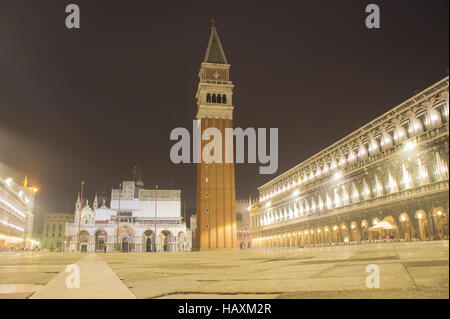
{"x":238,"y":217}
{"x":219,"y":98}
{"x":443,"y":115}
{"x":214,"y":98}
{"x":208,"y":98}
{"x":207,"y":226}
{"x":224,"y":99}
{"x":424,"y":122}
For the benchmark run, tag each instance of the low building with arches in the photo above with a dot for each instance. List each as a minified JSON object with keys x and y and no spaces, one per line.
{"x":136,"y":220}
{"x":391,"y":172}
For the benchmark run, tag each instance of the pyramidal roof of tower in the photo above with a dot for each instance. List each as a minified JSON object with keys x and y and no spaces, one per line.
{"x":214,"y":53}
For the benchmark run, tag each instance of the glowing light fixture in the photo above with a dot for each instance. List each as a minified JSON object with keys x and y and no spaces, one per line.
{"x":337,"y":175}
{"x":410,"y":145}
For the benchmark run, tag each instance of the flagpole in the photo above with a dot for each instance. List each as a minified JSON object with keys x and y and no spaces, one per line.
{"x":156,"y":205}
{"x":79,"y":217}
{"x":118,"y":218}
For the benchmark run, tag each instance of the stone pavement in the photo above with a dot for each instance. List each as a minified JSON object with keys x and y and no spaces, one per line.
{"x":97,"y":281}
{"x":407,"y":270}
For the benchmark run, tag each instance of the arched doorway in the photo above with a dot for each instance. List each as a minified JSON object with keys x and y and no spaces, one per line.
{"x":355,"y":234}
{"x":125,"y":245}
{"x":126,"y":239}
{"x":320,"y":236}
{"x":100,"y":240}
{"x":166,"y":238}
{"x":365,"y":230}
{"x":422,"y":224}
{"x":83,"y":239}
{"x":440,"y":219}
{"x":404,"y":226}
{"x":345,"y":238}
{"x":335,"y":234}
{"x":149,"y":243}
{"x":327,"y":235}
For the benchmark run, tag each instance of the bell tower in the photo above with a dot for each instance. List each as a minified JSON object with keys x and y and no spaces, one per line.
{"x":216,"y":195}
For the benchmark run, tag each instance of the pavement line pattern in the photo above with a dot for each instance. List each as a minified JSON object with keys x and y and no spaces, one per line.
{"x":97,"y":281}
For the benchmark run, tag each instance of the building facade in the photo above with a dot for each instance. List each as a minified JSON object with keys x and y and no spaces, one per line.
{"x":53,"y":230}
{"x":16,"y":214}
{"x":136,"y":220}
{"x":394,"y":169}
{"x":216,"y":195}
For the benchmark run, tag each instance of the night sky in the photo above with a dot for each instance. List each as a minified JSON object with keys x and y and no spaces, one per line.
{"x":89,"y":104}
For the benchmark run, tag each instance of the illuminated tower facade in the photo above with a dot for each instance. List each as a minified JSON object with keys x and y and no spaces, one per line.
{"x":216,"y":196}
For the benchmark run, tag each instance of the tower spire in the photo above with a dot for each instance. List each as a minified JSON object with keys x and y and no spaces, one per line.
{"x":214,"y":52}
{"x":95,"y":201}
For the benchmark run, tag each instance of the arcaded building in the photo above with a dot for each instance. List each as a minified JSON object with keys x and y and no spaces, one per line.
{"x":135,"y":220}
{"x":392,"y":172}
{"x":16,"y":213}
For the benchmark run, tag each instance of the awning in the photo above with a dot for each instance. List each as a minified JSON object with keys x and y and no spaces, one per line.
{"x":383,"y":225}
